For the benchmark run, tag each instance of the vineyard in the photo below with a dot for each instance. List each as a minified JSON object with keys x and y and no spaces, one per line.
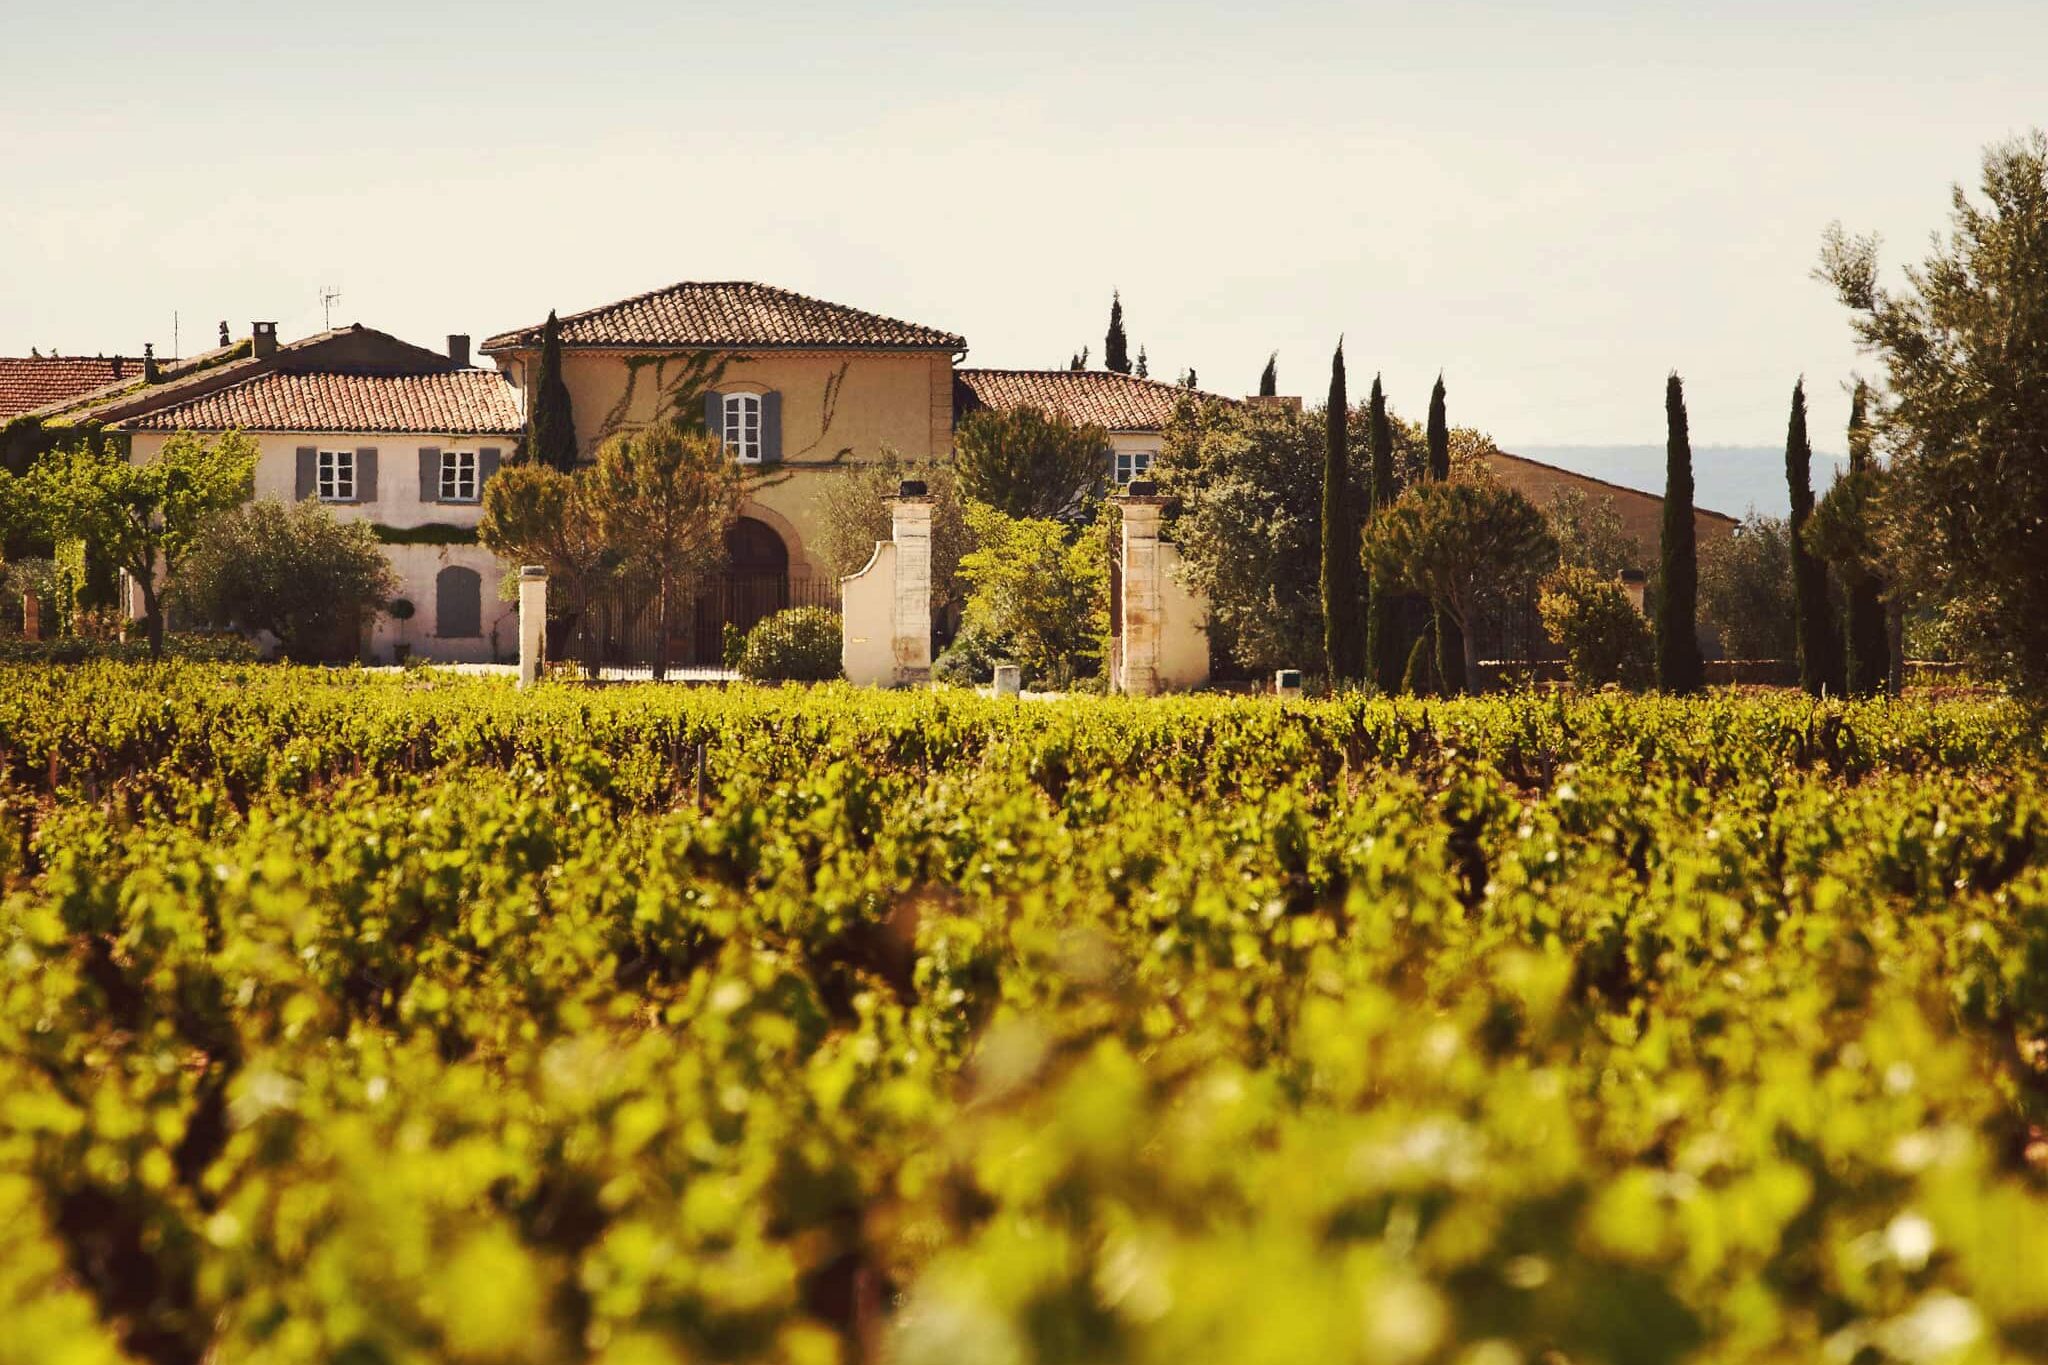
{"x":389,"y":1020}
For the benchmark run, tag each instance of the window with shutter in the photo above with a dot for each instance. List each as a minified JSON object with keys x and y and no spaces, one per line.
{"x":335,"y":476}
{"x":458,"y":476}
{"x":742,"y":427}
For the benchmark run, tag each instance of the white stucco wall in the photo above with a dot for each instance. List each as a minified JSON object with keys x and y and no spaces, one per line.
{"x":867,"y":622}
{"x":397,"y":504}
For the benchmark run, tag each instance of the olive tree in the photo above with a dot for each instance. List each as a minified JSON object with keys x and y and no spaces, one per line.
{"x":1964,"y":412}
{"x":143,"y":516}
{"x":1456,"y":544}
{"x":1028,"y":463}
{"x":663,"y":499}
{"x":294,"y":570}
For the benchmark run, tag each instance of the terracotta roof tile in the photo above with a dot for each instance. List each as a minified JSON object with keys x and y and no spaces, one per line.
{"x":1117,"y":402}
{"x":733,"y":314}
{"x":31,"y":382}
{"x":454,"y":403}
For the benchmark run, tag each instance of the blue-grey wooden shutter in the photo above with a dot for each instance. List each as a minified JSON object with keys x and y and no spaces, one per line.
{"x":714,"y":415}
{"x":771,"y":427}
{"x":366,"y":474}
{"x":430,"y":473}
{"x":458,"y":603}
{"x":308,"y":478}
{"x":487,"y":461}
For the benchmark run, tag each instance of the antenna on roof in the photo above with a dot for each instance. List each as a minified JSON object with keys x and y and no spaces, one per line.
{"x":175,"y":352}
{"x":328,"y":297}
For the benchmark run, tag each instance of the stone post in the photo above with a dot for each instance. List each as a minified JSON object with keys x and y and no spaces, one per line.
{"x":1008,"y":681}
{"x":1139,"y":629}
{"x":533,"y":622}
{"x":910,"y":604}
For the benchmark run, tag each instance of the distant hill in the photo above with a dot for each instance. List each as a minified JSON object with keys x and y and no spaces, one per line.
{"x":1730,"y":479}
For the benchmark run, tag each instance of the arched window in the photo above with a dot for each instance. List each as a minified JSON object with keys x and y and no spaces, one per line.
{"x":742,"y":427}
{"x":458,"y":604}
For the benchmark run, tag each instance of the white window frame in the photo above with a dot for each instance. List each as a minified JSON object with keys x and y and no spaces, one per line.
{"x":334,"y":477}
{"x":459,"y":467}
{"x":1132,"y":465}
{"x":740,"y":426}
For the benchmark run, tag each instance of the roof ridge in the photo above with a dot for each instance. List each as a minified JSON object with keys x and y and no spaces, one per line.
{"x":757,"y":292}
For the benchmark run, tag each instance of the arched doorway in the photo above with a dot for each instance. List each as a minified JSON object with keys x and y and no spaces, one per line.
{"x":754,"y":584}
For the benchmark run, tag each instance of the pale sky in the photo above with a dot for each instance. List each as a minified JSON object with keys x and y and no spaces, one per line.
{"x":1553,"y":203}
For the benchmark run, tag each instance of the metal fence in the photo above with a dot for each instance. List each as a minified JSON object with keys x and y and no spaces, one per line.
{"x":621,"y":632}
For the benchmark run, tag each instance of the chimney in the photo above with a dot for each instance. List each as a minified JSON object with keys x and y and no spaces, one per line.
{"x":224,"y":333}
{"x":149,"y":370}
{"x":458,"y":349}
{"x":263,"y":339}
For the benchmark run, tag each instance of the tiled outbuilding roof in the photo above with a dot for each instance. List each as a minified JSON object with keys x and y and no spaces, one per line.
{"x":31,"y":382}
{"x":453,"y":403}
{"x":734,"y":313}
{"x":1117,"y":402}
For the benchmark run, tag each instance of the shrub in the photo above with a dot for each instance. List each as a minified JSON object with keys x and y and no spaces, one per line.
{"x":972,"y":657}
{"x":1604,"y":638}
{"x":798,"y":645}
{"x":292,"y":570}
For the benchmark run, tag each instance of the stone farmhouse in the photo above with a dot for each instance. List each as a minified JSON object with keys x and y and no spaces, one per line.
{"x":406,"y":437}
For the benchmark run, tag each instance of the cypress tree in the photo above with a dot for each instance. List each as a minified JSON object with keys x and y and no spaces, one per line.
{"x":1820,"y":657}
{"x":1144,"y":367}
{"x":550,"y":425}
{"x":1450,"y":640}
{"x":1269,"y":378}
{"x":1869,"y":640}
{"x":1341,"y":558}
{"x":1116,"y":350}
{"x":1679,"y":666}
{"x":1383,"y":647}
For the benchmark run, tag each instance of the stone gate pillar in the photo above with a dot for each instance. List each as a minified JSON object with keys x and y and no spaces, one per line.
{"x":910,"y":643}
{"x":885,"y":616}
{"x":1139,"y":630}
{"x":533,"y":622}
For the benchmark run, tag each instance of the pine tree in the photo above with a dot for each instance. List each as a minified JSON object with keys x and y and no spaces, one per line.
{"x":1116,"y":353}
{"x":1144,"y":368}
{"x":1820,"y":655}
{"x":1869,"y":641}
{"x":550,"y":425}
{"x":1450,"y":640}
{"x":1269,"y":378}
{"x":1080,"y":360}
{"x":1679,"y":666}
{"x":1341,"y":562}
{"x":1384,"y":649}
{"x":1188,"y":380}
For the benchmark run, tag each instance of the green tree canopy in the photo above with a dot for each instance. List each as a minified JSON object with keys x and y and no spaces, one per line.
{"x":1964,"y":345}
{"x":550,"y":424}
{"x":663,"y":499}
{"x":1746,"y":590}
{"x":294,"y":570}
{"x":1456,"y":542}
{"x":537,"y":514}
{"x":1344,"y":639}
{"x":1116,"y":348}
{"x":1679,"y":666}
{"x":143,"y":516}
{"x":1040,"y":587}
{"x":1028,"y":463}
{"x":1815,"y":626}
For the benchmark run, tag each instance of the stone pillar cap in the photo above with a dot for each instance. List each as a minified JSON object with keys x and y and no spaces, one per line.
{"x":533,"y":571}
